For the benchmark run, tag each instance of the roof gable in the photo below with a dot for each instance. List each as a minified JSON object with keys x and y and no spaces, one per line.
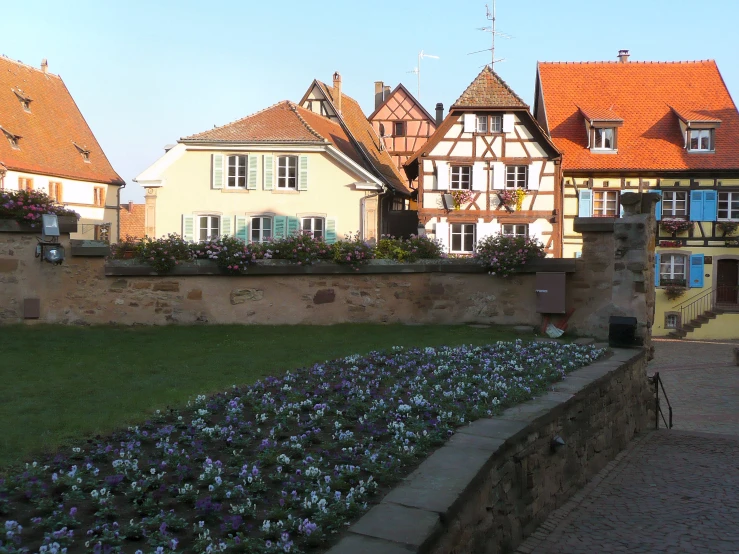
{"x":53,"y":133}
{"x":651,"y":98}
{"x":399,"y":93}
{"x":488,"y":90}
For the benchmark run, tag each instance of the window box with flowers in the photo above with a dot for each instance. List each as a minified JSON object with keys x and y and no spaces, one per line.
{"x":21,"y":211}
{"x":673,"y":292}
{"x":512,"y":199}
{"x":731,"y":242}
{"x":670,"y":243}
{"x":727,"y":227}
{"x":461,"y":197}
{"x":675,"y":226}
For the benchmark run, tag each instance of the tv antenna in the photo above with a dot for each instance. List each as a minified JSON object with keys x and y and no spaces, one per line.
{"x":417,"y":71}
{"x":493,"y":33}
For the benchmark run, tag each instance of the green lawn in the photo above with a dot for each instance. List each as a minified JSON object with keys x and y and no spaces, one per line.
{"x":60,"y":384}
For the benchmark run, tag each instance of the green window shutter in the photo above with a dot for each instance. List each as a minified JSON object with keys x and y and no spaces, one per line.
{"x":293,"y":225}
{"x":330,"y":235}
{"x":225,"y":226}
{"x":251,"y":182}
{"x":269,"y":172}
{"x":188,"y":228}
{"x":303,"y":173}
{"x":242,"y":228}
{"x":280,"y":223}
{"x":217,"y":175}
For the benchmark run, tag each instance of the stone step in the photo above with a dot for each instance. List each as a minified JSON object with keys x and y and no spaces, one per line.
{"x":677,"y":334}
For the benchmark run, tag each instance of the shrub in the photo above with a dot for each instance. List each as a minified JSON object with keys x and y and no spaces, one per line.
{"x":503,"y":255}
{"x":408,"y":250}
{"x":163,"y":254}
{"x":352,"y":251}
{"x":27,"y":206}
{"x":124,"y":249}
{"x":230,"y":253}
{"x":673,"y":292}
{"x":301,"y":248}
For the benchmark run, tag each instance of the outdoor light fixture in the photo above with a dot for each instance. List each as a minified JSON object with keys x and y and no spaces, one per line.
{"x":48,"y":247}
{"x":448,"y":201}
{"x":557,"y":443}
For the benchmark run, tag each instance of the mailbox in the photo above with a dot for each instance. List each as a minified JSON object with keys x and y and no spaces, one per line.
{"x":550,"y":293}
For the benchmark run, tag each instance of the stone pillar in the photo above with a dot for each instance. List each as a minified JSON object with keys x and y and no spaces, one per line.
{"x":150,"y":212}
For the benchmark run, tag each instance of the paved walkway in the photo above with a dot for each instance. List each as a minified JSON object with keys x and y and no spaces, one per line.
{"x":669,"y":491}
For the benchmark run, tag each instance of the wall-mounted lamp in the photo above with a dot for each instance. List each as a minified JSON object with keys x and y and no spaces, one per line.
{"x":557,"y":443}
{"x":48,"y":247}
{"x":448,"y":201}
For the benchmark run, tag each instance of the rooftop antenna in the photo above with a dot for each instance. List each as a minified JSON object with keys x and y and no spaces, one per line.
{"x":493,"y":33}
{"x":417,"y":71}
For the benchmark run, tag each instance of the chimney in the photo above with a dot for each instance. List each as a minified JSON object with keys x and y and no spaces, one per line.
{"x":385,"y":92}
{"x":439,"y":113}
{"x":337,"y":91}
{"x":130,"y":206}
{"x":379,"y":96}
{"x":44,"y":65}
{"x":623,"y":56}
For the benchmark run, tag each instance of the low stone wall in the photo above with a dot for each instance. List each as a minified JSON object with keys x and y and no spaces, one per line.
{"x":497,"y":479}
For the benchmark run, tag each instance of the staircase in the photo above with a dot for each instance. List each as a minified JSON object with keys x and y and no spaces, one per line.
{"x":702,"y":309}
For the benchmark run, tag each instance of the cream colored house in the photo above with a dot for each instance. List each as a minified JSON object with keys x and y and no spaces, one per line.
{"x":46,"y":145}
{"x":273,"y":173}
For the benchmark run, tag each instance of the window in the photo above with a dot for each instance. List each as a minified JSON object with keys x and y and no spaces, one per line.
{"x":209,"y":227}
{"x":496,"y":123}
{"x":313,"y":225}
{"x":463,"y":237}
{"x":482,"y":124}
{"x":287,"y":172}
{"x":516,"y":176}
{"x":672,"y":321}
{"x":461,"y":176}
{"x":674,"y":204}
{"x":604,"y":138}
{"x":700,"y":140}
{"x":55,"y":191}
{"x":24,"y":183}
{"x":399,"y":128}
{"x":236,"y":172}
{"x":261,"y":229}
{"x":99,"y":196}
{"x":516,"y":230}
{"x":398,"y":204}
{"x":728,"y":205}
{"x":86,"y":157}
{"x":672,"y":269}
{"x":605,"y":203}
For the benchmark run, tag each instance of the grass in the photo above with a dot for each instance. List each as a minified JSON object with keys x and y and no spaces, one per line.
{"x":61,"y":383}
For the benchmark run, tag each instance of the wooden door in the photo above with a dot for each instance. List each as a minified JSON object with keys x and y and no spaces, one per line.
{"x":727,"y":279}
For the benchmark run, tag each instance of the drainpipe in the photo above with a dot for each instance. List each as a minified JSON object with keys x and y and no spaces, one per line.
{"x":118,"y":214}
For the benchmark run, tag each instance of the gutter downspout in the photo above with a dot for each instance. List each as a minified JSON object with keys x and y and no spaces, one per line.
{"x":118,"y":213}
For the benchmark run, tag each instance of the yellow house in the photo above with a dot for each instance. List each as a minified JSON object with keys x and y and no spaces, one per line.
{"x":664,"y":127}
{"x":275,"y":172}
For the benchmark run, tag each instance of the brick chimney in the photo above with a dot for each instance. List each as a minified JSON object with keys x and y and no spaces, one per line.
{"x":379,"y":96}
{"x":439,"y":113}
{"x":337,"y":91}
{"x":385,"y":92}
{"x":44,"y":65}
{"x":130,"y":206}
{"x":623,"y":56}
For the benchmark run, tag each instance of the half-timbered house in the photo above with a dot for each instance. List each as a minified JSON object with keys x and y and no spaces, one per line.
{"x":488,"y":150}
{"x":678,"y":137}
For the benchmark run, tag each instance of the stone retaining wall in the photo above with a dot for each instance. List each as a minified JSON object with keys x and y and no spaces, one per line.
{"x":497,"y":479}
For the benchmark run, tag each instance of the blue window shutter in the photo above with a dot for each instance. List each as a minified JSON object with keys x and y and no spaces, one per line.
{"x":303,"y":173}
{"x":656,"y":270}
{"x":293,"y":225}
{"x":225,"y":226}
{"x":709,"y":205}
{"x":188,"y":228}
{"x":242,"y":229}
{"x":585,"y":205}
{"x":330,"y":230}
{"x":658,"y":206}
{"x":696,"y":205}
{"x":280,"y":224}
{"x":696,"y":271}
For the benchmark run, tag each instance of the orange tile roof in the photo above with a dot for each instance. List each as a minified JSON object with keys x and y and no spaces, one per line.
{"x":49,"y":132}
{"x":284,"y":122}
{"x":361,"y":130}
{"x":488,"y":90}
{"x":643,"y":95}
{"x":132,"y":222}
{"x":599,"y":113}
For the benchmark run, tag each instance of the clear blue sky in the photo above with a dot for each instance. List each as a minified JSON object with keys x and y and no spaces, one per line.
{"x":145,"y":73}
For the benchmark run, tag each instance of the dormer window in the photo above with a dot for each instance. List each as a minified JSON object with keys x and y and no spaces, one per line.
{"x":601,"y":125}
{"x":700,"y":140}
{"x":83,"y":151}
{"x":12,"y":138}
{"x":24,"y":99}
{"x":604,"y":138}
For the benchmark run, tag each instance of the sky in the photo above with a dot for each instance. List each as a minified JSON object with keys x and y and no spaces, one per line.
{"x":145,"y":73}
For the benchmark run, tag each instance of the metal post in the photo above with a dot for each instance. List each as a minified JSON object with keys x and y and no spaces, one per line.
{"x":656,"y":400}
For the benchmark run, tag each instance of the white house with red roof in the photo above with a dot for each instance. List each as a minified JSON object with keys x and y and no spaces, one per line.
{"x":46,"y":145}
{"x":665,"y":127}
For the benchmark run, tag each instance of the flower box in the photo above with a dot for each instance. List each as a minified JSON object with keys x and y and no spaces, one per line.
{"x":676,"y":225}
{"x":67,"y":223}
{"x":670,"y":243}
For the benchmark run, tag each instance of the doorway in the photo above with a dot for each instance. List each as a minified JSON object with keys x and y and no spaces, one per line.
{"x":727,"y":279}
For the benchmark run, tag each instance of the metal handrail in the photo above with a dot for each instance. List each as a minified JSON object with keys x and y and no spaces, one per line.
{"x":657,"y":381}
{"x":708,"y":301}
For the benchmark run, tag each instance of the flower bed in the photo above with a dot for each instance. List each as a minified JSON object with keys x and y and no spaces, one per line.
{"x":280,"y":466}
{"x":28,"y":206}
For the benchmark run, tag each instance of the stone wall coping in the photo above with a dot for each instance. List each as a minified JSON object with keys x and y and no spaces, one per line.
{"x":594,"y":224}
{"x":412,"y":516}
{"x":67,"y":225}
{"x":130,"y":268}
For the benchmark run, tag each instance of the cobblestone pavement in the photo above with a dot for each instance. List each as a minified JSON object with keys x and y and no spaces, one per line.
{"x":702,"y":383}
{"x":668,"y":492}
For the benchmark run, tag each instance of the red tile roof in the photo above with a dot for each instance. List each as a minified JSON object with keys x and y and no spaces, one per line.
{"x":132,"y":221}
{"x":284,"y":122}
{"x":50,"y":130}
{"x":361,"y":130}
{"x":488,"y":90}
{"x":644,"y":96}
{"x":599,"y":113}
